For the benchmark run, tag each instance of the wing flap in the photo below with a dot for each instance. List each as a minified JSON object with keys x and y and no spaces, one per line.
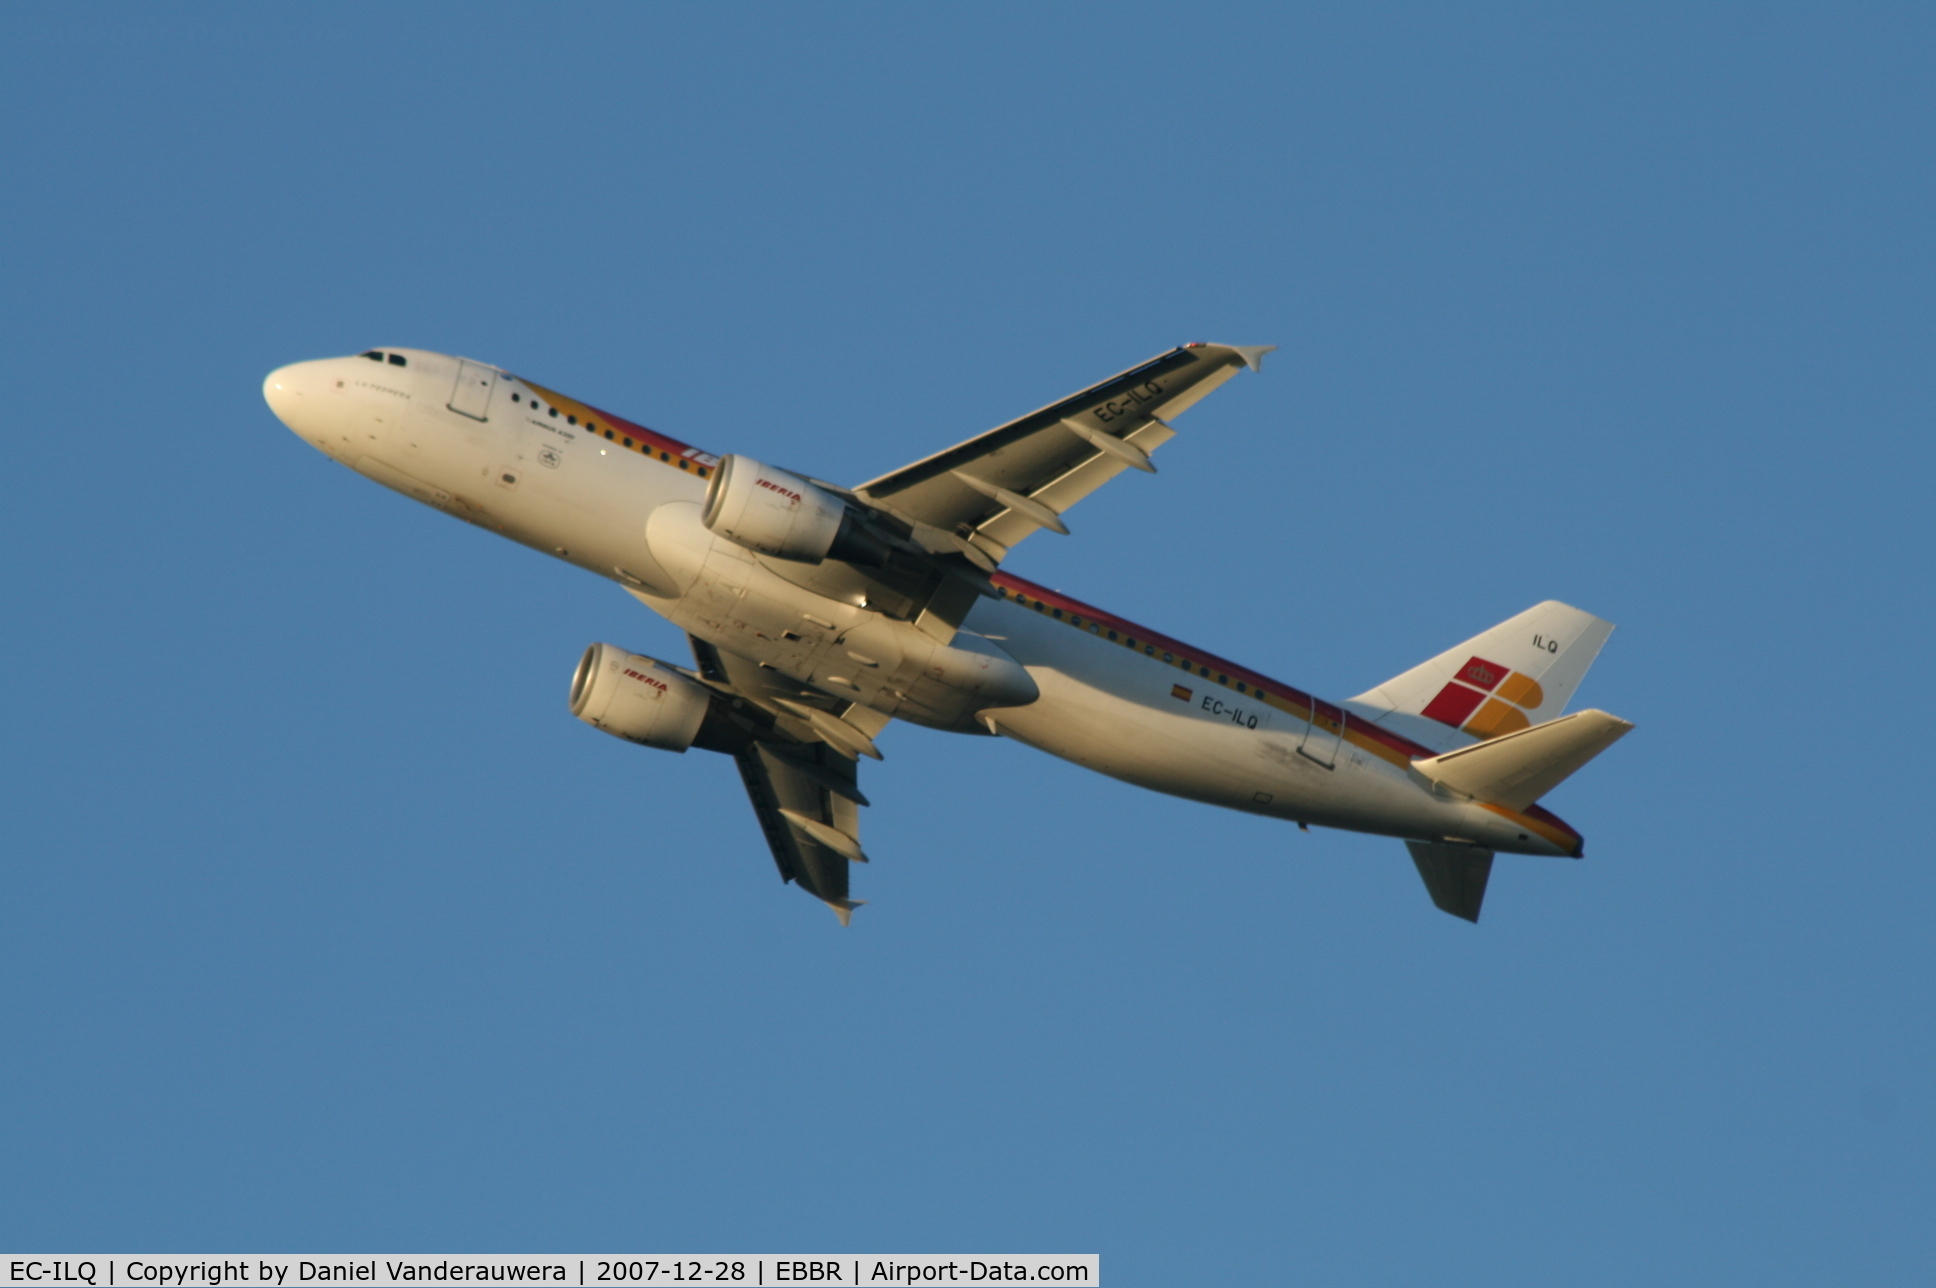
{"x":1006,"y":527}
{"x":800,"y":816}
{"x":803,"y":784}
{"x":1050,"y":457}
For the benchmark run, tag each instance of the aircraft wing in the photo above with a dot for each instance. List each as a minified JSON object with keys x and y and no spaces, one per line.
{"x":812,"y":824}
{"x":986,"y":494}
{"x":801,"y":781}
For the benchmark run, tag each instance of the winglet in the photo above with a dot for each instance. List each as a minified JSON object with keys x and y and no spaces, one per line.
{"x":1252,"y":354}
{"x":844,"y":908}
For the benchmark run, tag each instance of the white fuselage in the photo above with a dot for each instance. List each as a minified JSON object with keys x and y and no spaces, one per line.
{"x":540,"y":469}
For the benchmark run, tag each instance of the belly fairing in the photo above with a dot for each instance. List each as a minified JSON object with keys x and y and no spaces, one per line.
{"x":732,"y":599}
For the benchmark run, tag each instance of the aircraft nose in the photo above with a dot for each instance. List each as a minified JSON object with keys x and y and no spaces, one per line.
{"x":282,"y":390}
{"x":298,"y":395}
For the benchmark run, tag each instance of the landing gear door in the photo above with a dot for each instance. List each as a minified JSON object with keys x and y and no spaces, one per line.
{"x":471,"y":396}
{"x":1322,"y":735}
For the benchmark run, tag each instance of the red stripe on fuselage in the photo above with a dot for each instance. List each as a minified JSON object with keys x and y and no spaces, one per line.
{"x":650,"y":441}
{"x":1353,"y":726}
{"x":595,"y":422}
{"x":1197,"y":657}
{"x":1553,"y":820}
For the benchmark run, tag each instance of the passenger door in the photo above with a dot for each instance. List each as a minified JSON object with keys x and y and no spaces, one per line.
{"x":471,"y":395}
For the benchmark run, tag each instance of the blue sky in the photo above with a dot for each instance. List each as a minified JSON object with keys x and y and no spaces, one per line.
{"x":327,"y":928}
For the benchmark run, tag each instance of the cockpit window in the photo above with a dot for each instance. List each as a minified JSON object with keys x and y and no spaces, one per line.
{"x":374,"y":356}
{"x":398,"y":360}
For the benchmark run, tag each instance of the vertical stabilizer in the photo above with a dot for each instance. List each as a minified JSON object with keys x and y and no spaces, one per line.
{"x":1455,"y":876}
{"x":1518,"y":674}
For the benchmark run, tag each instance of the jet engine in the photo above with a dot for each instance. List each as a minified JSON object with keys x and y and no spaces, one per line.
{"x":783,"y":515}
{"x":638,"y":698}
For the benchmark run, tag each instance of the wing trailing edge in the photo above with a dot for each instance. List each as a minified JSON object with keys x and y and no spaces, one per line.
{"x":997,"y":488}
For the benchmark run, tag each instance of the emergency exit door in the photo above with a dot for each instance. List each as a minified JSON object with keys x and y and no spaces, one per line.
{"x":1323,"y":734}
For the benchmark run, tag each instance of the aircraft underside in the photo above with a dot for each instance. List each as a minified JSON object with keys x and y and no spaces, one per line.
{"x":816,"y":615}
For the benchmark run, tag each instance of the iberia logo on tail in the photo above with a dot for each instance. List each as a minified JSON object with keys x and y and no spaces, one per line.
{"x":1506,"y":696}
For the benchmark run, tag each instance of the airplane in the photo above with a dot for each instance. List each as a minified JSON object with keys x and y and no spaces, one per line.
{"x":817,"y":614}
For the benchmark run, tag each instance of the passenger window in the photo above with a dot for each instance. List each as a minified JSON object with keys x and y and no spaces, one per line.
{"x":398,"y":360}
{"x":1240,"y":687}
{"x":1096,"y":630}
{"x":1149,"y":649}
{"x":515,"y":398}
{"x":1058,"y":614}
{"x":1112,"y":636}
{"x":628,"y":442}
{"x":571,"y":420}
{"x":553,"y":411}
{"x":684,"y":464}
{"x":1168,"y":658}
{"x":609,"y":434}
{"x":1224,"y":680}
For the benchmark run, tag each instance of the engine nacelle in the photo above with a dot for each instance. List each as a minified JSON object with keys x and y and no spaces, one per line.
{"x":781,"y":514}
{"x":638,"y":698}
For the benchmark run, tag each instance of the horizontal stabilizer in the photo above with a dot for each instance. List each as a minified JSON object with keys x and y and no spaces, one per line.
{"x":1455,"y":875}
{"x":1517,"y":769}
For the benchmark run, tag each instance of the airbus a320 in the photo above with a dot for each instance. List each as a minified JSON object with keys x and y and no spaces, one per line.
{"x":818,"y":614}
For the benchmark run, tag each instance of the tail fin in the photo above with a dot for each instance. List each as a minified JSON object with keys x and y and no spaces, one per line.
{"x":1516,"y":769}
{"x":1520,"y":673}
{"x":1455,"y":875}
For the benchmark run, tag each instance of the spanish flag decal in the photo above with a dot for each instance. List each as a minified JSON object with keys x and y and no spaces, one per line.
{"x":1180,"y":693}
